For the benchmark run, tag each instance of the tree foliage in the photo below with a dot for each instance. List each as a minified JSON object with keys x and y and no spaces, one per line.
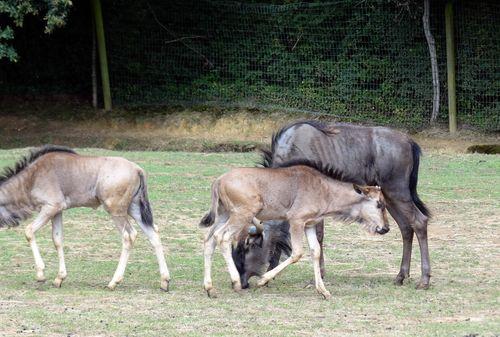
{"x":54,"y":14}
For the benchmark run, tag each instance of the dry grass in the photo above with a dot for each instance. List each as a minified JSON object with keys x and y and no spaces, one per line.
{"x":175,"y":129}
{"x":462,"y":190}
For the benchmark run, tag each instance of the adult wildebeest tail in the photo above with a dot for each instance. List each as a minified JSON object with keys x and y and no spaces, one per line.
{"x":415,"y":149}
{"x":209,"y":218}
{"x":146,"y":213}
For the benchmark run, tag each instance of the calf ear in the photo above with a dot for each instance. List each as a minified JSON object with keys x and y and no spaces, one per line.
{"x":364,"y":190}
{"x":361,"y":189}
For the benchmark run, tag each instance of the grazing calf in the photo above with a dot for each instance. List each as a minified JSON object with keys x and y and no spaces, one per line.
{"x":53,"y":179}
{"x":262,"y":248}
{"x":303,"y":193}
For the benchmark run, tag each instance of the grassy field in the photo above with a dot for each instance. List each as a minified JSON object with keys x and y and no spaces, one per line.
{"x":464,"y":238}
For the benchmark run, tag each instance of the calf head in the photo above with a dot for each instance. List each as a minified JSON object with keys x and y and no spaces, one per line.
{"x":370,"y":210}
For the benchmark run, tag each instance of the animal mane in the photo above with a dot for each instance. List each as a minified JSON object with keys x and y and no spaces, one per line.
{"x":267,"y":155}
{"x":326,"y":170}
{"x":25,"y":161}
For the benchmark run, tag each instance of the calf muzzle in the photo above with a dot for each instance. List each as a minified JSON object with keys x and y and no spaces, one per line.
{"x":382,"y":230}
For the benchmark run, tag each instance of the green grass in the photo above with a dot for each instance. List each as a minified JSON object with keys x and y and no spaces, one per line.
{"x":464,"y":236}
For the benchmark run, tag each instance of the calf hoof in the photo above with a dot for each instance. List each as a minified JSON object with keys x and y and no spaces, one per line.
{"x":422,"y":286}
{"x":212,"y":293}
{"x":326,"y":294}
{"x":57,"y":282}
{"x":112,"y":286}
{"x":262,"y":282}
{"x":40,"y":277}
{"x":164,"y":285}
{"x":236,"y":286}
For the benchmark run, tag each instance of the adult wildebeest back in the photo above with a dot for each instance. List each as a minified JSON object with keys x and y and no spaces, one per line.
{"x":376,"y":155}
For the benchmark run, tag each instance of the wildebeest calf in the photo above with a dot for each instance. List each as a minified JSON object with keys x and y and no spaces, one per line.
{"x":53,"y":179}
{"x":302,"y":193}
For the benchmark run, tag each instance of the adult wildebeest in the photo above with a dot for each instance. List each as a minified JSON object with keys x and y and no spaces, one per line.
{"x":376,"y":156}
{"x":300,"y":192}
{"x":53,"y":178}
{"x":261,"y":249}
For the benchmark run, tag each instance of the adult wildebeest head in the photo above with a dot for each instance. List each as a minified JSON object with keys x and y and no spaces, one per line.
{"x":261,"y":250}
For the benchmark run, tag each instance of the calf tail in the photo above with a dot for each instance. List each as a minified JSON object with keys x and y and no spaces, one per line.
{"x":145,"y":206}
{"x":209,"y":218}
{"x":415,"y":149}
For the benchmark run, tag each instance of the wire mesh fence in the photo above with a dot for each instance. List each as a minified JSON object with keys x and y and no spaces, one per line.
{"x":478,"y":63}
{"x":358,"y":60}
{"x":364,"y":62}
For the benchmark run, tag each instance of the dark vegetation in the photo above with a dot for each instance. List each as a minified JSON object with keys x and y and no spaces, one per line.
{"x":359,"y":61}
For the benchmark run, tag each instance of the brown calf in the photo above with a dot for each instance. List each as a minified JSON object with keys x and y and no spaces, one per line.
{"x":302,"y":193}
{"x":53,"y":179}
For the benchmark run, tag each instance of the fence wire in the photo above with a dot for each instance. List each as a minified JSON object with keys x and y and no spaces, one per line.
{"x":364,"y":61}
{"x":359,"y":60}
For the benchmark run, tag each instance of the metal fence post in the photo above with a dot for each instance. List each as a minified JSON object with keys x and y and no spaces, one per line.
{"x":101,"y":46}
{"x":450,"y":65}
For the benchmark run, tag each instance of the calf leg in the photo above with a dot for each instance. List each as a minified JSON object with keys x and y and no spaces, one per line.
{"x":46,"y":213}
{"x":320,"y":234}
{"x":225,"y":245}
{"x":296,"y":234}
{"x":57,"y":238}
{"x":208,"y":252}
{"x":128,"y":234}
{"x":224,"y":236}
{"x":315,"y":256}
{"x":151,"y":233}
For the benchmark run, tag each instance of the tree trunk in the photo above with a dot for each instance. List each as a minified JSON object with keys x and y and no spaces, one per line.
{"x":434,"y":66}
{"x":94,"y":70}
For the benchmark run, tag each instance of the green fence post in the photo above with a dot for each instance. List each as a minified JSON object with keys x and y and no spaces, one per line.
{"x":450,"y":65}
{"x":101,"y":46}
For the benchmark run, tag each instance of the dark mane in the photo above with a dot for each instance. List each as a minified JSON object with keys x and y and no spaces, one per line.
{"x":267,"y":155}
{"x":21,"y":164}
{"x":327,"y":170}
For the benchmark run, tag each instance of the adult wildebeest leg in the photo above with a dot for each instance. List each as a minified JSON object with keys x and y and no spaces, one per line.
{"x":57,"y":238}
{"x":421,"y":231}
{"x":46,"y":213}
{"x":296,"y":234}
{"x":275,"y":259}
{"x":128,"y":234}
{"x":315,"y":256}
{"x":403,"y":212}
{"x":151,"y":233}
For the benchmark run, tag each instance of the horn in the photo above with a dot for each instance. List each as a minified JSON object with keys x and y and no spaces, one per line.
{"x":252,"y":230}
{"x":258,"y":225}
